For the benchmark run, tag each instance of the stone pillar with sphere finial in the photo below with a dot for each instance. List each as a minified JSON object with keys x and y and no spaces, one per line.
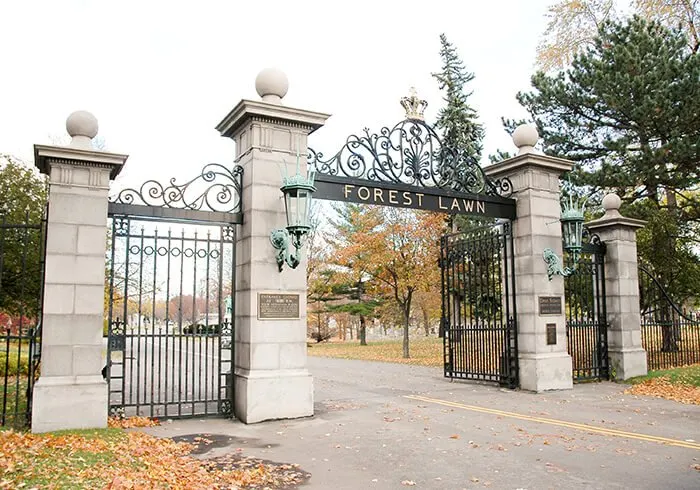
{"x":71,"y":392}
{"x":542,"y":365}
{"x":619,"y":233}
{"x":270,"y":376}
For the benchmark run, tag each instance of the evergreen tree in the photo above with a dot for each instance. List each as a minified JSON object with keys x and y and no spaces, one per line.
{"x":457,"y":121}
{"x":628,"y":112}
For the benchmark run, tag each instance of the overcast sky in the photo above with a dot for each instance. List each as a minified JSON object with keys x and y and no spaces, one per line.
{"x":159,"y":75}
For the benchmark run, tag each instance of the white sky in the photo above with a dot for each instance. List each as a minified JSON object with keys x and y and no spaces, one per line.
{"x":159,"y":75}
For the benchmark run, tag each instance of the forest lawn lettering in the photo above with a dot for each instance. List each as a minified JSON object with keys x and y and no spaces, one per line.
{"x":373,"y":195}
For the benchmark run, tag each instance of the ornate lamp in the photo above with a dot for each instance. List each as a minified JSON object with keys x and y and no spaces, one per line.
{"x":298,"y":191}
{"x":572,"y":217}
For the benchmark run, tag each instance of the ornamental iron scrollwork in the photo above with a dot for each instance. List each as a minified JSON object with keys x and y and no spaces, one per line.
{"x":217,"y":188}
{"x":121,"y":226}
{"x":410,"y":153}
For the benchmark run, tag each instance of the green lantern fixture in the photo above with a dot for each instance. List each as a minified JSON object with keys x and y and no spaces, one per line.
{"x":298,"y":191}
{"x":572,"y":217}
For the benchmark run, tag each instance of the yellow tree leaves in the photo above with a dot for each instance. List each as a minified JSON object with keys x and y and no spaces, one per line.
{"x":574,"y":23}
{"x":405,"y":258}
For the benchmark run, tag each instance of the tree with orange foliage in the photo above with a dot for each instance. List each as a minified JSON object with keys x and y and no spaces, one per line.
{"x":404,"y":258}
{"x":355,"y":248}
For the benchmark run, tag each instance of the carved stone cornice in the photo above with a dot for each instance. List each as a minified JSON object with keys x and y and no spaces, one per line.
{"x":249,"y":110}
{"x":46,"y":156}
{"x":528,"y":160}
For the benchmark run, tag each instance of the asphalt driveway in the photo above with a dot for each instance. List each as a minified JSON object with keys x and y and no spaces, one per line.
{"x":387,"y":426}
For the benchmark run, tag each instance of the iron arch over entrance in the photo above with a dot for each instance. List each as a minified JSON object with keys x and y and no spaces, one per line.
{"x":408,"y":166}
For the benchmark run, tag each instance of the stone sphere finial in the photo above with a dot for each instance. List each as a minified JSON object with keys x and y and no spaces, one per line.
{"x":272,"y":85}
{"x":611,"y":204}
{"x":82,"y":127}
{"x":525,"y":138}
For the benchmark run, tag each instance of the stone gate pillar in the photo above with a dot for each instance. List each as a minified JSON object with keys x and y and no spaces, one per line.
{"x":627,"y":357}
{"x":71,"y":393}
{"x":271,"y":379}
{"x":544,"y":363}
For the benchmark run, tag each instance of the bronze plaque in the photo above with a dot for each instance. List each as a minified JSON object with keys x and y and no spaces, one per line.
{"x":550,"y":305}
{"x":551,"y":334}
{"x":278,"y":306}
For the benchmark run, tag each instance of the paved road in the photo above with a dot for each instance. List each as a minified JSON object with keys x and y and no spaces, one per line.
{"x":378,"y":425}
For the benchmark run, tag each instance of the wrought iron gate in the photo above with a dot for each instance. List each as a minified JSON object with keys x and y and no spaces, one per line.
{"x":586,"y":318}
{"x":670,"y":335}
{"x":22,"y":259}
{"x":478,"y":305}
{"x":171,"y":286}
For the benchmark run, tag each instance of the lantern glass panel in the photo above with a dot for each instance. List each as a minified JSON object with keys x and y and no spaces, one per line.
{"x":288,"y":207}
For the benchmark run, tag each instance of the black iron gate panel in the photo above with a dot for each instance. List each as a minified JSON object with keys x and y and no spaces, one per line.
{"x":478,"y":305}
{"x":670,"y":335}
{"x":22,"y":258}
{"x":586,"y":317}
{"x":170,"y":318}
{"x":170,"y":292}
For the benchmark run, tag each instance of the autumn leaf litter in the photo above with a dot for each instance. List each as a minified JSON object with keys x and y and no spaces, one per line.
{"x":119,"y":460}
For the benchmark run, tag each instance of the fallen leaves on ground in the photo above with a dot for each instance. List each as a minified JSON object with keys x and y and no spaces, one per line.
{"x":664,"y":388}
{"x":131,"y":422}
{"x":424,"y":352}
{"x":116,"y":460}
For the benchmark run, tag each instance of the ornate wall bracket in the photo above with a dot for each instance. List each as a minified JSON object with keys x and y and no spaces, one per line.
{"x":555,"y":266}
{"x":283,"y":242}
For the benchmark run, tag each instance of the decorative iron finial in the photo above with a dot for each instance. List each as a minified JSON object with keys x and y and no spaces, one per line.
{"x":413,"y":105}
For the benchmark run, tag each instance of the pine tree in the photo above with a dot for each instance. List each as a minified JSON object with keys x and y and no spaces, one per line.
{"x":628,"y":111}
{"x":457,"y":121}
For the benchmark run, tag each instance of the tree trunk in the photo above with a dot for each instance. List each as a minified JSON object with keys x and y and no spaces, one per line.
{"x":426,"y":322}
{"x":406,"y":323}
{"x":363,"y":330}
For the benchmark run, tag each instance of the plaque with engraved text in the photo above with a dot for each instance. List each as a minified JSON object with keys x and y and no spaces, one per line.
{"x":551,"y":334}
{"x":550,"y":305}
{"x":278,"y":306}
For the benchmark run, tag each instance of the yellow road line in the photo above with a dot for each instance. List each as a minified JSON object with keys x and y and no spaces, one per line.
{"x":561,"y":423}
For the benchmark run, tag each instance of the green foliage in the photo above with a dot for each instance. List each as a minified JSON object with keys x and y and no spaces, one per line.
{"x":626,"y":111}
{"x":24,"y":195}
{"x":365,"y":308}
{"x":458,"y":121}
{"x":676,"y":267}
{"x":23,"y":190}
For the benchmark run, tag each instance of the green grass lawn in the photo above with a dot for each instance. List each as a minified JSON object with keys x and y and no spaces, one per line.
{"x":424,"y":352}
{"x":687,"y":375}
{"x":15,"y":408}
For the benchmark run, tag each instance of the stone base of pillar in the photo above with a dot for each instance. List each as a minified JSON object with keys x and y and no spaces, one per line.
{"x":627,"y":363}
{"x":69,"y":402}
{"x":545,"y":372}
{"x":272,"y":395}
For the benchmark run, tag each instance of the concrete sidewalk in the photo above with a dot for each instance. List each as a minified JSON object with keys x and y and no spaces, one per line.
{"x":388,"y":426}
